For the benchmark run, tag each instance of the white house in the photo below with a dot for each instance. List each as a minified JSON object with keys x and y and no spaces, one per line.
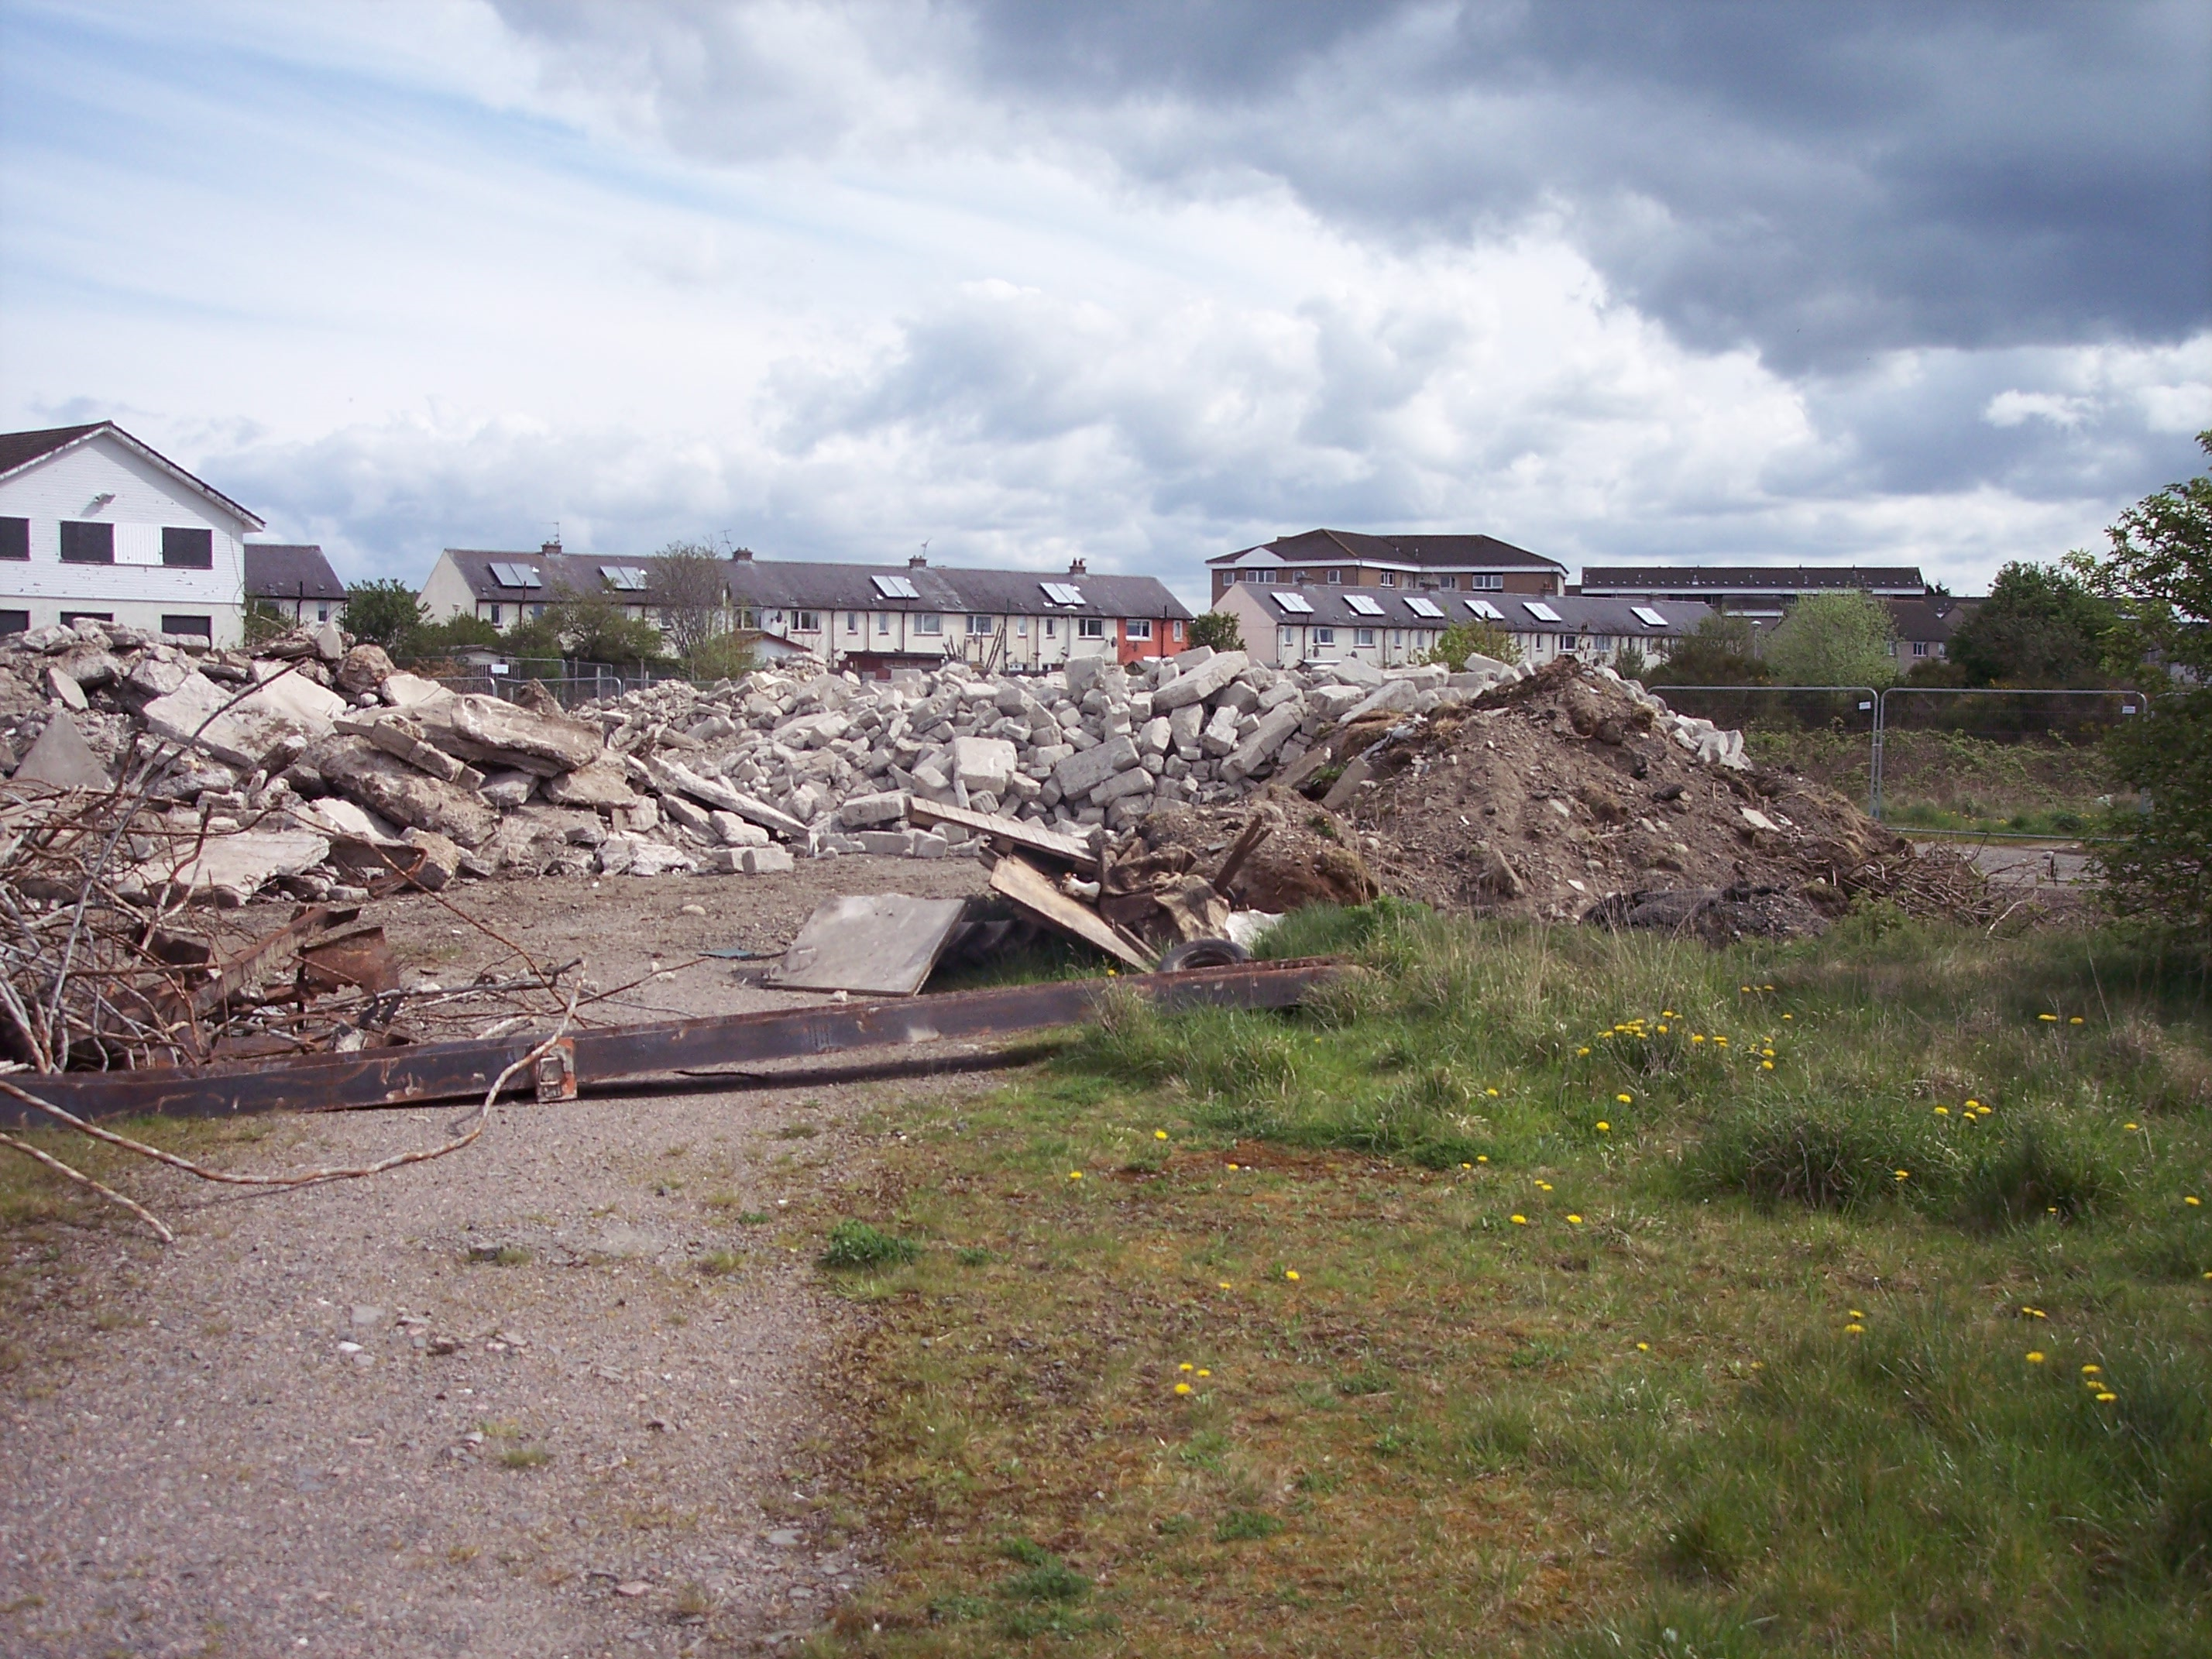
{"x":95,"y":524}
{"x":1291,"y":627}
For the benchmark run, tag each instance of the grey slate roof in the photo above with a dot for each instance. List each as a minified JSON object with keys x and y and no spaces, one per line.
{"x":1904,"y":578}
{"x":289,"y":570}
{"x":1333,"y":608}
{"x":1437,"y":551}
{"x":823,"y":585}
{"x":21,"y":449}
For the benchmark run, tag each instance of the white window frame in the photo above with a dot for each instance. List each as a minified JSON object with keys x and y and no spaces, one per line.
{"x":930,"y":624}
{"x":1090,"y":627}
{"x":973,"y":630}
{"x":1324,"y":639}
{"x":1136,"y":628}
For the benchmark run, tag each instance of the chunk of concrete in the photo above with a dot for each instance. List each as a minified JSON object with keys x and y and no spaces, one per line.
{"x":1199,"y":684}
{"x":232,"y":869}
{"x":982,"y":762}
{"x":356,"y":768}
{"x":508,"y":788}
{"x":767,"y":860}
{"x":866,"y":811}
{"x":364,"y":668}
{"x":1274,"y":731}
{"x":61,"y":759}
{"x":1086,"y":768}
{"x":441,"y":859}
{"x":488,"y":729}
{"x":601,"y":781}
{"x":286,"y":713}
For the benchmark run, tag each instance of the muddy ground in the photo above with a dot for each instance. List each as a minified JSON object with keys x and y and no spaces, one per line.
{"x":550,"y":1395}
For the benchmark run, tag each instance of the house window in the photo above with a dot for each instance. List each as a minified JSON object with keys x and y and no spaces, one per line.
{"x":69,"y":617}
{"x":1137,"y":628}
{"x":1052,"y":627}
{"x":1022,"y":626}
{"x":15,"y":542}
{"x":1363,"y":636}
{"x":15,"y":622}
{"x":1447,"y":582}
{"x":1090,"y":627}
{"x":199,"y":626}
{"x":494,"y":615}
{"x":852,"y":621}
{"x":1397,"y":638}
{"x":1324,"y":637}
{"x":1265,"y":576}
{"x":1494,"y":582}
{"x":1285,"y":639}
{"x":88,"y":543}
{"x":322,"y":613}
{"x":930,"y":623}
{"x":1920,"y":648}
{"x":1386,"y":578}
{"x":979,"y":625}
{"x":1178,"y":631}
{"x":1336,"y":578}
{"x":537,"y":612}
{"x":807,"y":621}
{"x":882,"y":622}
{"x":188,"y":550}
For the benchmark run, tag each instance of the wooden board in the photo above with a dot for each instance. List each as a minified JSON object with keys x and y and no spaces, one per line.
{"x":1016,"y":879}
{"x":1072,"y":849}
{"x":874,"y":944}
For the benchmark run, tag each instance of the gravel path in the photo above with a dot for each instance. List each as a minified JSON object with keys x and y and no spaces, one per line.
{"x":548,"y":1396}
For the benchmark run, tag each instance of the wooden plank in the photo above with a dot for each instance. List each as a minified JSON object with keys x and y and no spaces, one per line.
{"x":610,"y":1057}
{"x":1014,"y":877}
{"x":875,"y":943}
{"x":1072,"y":849}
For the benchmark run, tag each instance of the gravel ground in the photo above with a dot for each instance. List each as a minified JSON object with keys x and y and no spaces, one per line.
{"x":549,"y":1396}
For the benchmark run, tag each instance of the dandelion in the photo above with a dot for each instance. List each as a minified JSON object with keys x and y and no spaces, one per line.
{"x":1075,"y":1174}
{"x":1183,"y":1387}
{"x":1744,"y":988}
{"x":1666,"y":1014}
{"x":1789,"y":1015}
{"x":1643,"y":1348}
{"x":2048,"y":1019}
{"x":1482,"y":1157}
{"x":2091,"y":1371}
{"x":1696,"y":1037}
{"x":1857,"y":1313}
{"x":2028,"y":1312}
{"x":1493,"y":1093}
{"x":1905,"y":1175}
{"x":1159,"y":1134}
{"x":1766,"y":1065}
{"x":1546,"y":1185}
{"x":2129,"y":1126}
{"x":1855,"y":1330}
{"x":2193,"y":1201}
{"x":1232,"y":1166}
{"x":1662,"y":1030}
{"x":1202,"y":1371}
{"x":1519,"y":1220}
{"x":1603,"y":1127}
{"x":1625,"y":1100}
{"x":1224,"y":1284}
{"x":1942,"y":1111}
{"x":1466,"y":1166}
{"x":1766,"y":988}
{"x":1290,"y":1274}
{"x":1184,"y":1366}
{"x":2105,"y":1397}
{"x":1575,"y":1220}
{"x":2076,"y":1020}
{"x":2035,"y":1356}
{"x":1579,"y":1053}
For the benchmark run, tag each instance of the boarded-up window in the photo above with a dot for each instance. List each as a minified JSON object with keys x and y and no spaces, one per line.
{"x":202,"y":626}
{"x":188,"y":550}
{"x":88,"y":543}
{"x":15,"y":541}
{"x":15,"y":622}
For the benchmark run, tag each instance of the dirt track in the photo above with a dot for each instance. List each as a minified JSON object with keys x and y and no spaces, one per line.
{"x":246,"y":1444}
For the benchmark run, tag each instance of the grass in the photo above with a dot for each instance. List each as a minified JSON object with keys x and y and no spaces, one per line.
{"x":1296,"y":1380}
{"x":1938,"y":779}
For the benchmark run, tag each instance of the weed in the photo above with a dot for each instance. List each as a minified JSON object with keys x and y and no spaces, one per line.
{"x":856,"y":1244}
{"x":718,"y":1262}
{"x":1043,"y":1577}
{"x":524,"y":1458}
{"x":972,"y":1256}
{"x":797,"y":1132}
{"x":1240,"y":1525}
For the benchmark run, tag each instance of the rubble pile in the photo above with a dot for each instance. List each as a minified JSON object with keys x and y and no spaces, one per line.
{"x":316,"y":767}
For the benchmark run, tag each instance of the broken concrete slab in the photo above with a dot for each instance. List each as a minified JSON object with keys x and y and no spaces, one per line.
{"x":602,"y":781}
{"x":480,"y":728}
{"x":872,"y":945}
{"x":356,"y":768}
{"x":286,"y":712}
{"x":1197,"y":685}
{"x":232,"y":869}
{"x":980,"y":763}
{"x":866,"y":811}
{"x":61,"y":759}
{"x":1085,"y":769}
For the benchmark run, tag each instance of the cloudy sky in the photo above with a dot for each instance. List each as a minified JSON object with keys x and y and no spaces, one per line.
{"x":1142,"y":280}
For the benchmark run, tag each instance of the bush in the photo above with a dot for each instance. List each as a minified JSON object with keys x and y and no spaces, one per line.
{"x":1463,"y":638}
{"x":1218,"y":629}
{"x":856,"y":1244}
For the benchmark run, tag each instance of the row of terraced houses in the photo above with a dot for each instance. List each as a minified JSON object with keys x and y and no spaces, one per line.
{"x":96,"y":524}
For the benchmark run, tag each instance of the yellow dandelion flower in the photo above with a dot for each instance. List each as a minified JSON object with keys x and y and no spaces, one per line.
{"x":1466,"y":1166}
{"x":1183,"y":1387}
{"x":2193,"y":1202}
{"x":1204,"y":1372}
{"x":2035,"y":1356}
{"x":1942,"y":1111}
{"x":1789,"y":1015}
{"x":1766,"y":988}
{"x":2091,"y":1371}
{"x":1905,"y":1175}
{"x":1854,"y":1330}
{"x":1575,"y":1220}
{"x":1743,"y":987}
{"x":1493,"y":1093}
{"x":1184,"y":1367}
{"x":1290,"y":1274}
{"x":1662,"y":1030}
{"x":1603,"y":1127}
{"x":1482,"y":1157}
{"x":1643,"y":1348}
{"x":2049,"y":1019}
{"x":2076,"y":1020}
{"x":1666,"y":1014}
{"x":2129,"y":1126}
{"x":1625,"y":1100}
{"x":1075,"y":1174}
{"x":1696,"y":1037}
{"x":1973,"y":1105}
{"x":1224,"y":1284}
{"x":1857,"y":1313}
{"x":1579,"y":1053}
{"x":1232,"y":1166}
{"x":1766,"y":1065}
{"x":1159,"y":1134}
{"x":2106,"y":1396}
{"x":1519,"y":1220}
{"x":1546,"y":1185}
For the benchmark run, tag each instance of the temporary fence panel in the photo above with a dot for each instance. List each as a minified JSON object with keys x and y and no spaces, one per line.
{"x":1831,"y":732}
{"x":1998,"y":760}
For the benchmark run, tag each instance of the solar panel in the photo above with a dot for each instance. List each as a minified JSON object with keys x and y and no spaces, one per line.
{"x":1487,"y":611}
{"x":627,"y":577}
{"x":1062,"y":593}
{"x":1647,"y":617}
{"x":513,"y":575}
{"x":1423,"y":607}
{"x":1539,"y":611}
{"x":896,"y":587}
{"x":1295,"y":604}
{"x":1364,"y":605}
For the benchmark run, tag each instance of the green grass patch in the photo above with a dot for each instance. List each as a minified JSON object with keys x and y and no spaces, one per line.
{"x":856,"y":1244}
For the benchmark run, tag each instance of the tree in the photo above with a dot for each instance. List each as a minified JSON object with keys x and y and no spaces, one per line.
{"x":1463,"y":639}
{"x":1834,"y":639}
{"x":1629,"y":662}
{"x":1719,"y":652}
{"x":688,"y":589}
{"x":2158,"y":579}
{"x":436,"y":641}
{"x":588,"y":627}
{"x":1218,"y":629}
{"x":2041,"y":625}
{"x":381,"y":613}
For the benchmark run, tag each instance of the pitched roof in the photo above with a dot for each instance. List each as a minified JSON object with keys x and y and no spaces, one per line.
{"x":1336,"y":607}
{"x":1751,"y":578}
{"x":1425,"y":550}
{"x":1929,"y":619}
{"x":289,"y":570}
{"x":827,"y":584}
{"x":21,"y":449}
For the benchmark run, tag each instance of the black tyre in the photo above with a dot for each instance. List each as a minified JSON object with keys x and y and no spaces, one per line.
{"x":1202,"y":953}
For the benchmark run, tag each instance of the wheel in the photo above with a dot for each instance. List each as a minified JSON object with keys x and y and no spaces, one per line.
{"x":1202,"y":953}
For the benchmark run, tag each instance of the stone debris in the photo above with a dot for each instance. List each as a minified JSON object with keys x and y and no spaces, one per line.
{"x":316,"y":736}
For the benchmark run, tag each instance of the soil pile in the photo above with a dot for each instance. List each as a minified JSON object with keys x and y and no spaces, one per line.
{"x":1570,"y":794}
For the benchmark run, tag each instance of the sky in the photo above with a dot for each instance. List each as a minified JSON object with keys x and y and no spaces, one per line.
{"x":1139,"y":281}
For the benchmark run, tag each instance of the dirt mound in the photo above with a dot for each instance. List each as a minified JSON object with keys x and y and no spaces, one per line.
{"x":1308,"y":857}
{"x":1562,"y":795}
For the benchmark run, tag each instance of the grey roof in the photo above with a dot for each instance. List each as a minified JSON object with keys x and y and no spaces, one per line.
{"x":1751,"y":578}
{"x":21,"y":449}
{"x":289,"y":570}
{"x":1333,"y":607}
{"x":1929,"y":619}
{"x":824,"y":585}
{"x":1437,"y":551}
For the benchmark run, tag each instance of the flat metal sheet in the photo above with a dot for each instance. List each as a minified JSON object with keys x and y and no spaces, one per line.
{"x":880,"y":944}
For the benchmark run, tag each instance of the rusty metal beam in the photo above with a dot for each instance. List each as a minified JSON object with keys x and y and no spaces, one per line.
{"x":608,"y":1057}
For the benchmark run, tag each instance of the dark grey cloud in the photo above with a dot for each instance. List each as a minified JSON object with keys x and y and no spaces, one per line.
{"x":1822,"y":182}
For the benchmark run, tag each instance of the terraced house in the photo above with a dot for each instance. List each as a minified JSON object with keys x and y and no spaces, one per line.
{"x":1416,"y":563}
{"x":869,"y":619}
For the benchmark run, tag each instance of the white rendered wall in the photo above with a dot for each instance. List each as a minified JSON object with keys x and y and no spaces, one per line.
{"x":137,"y":589}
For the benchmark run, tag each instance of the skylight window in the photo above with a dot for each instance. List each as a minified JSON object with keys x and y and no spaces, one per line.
{"x":1063,"y":593}
{"x":513,"y":575}
{"x":1647,"y":617}
{"x":1539,"y":611}
{"x":1364,"y":603}
{"x":1423,"y":607}
{"x":1487,"y":611}
{"x":1295,"y":604}
{"x":629,"y":577}
{"x":896,"y":587}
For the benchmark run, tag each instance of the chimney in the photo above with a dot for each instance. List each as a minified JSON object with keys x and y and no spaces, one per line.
{"x":919,"y":562}
{"x":741,"y":555}
{"x":549,"y":550}
{"x":1078,"y":567}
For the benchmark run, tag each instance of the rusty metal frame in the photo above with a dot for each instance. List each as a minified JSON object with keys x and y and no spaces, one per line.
{"x":608,"y":1057}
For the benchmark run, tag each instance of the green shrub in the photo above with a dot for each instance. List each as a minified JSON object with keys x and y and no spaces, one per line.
{"x":1823,"y":1159}
{"x":857,"y":1244}
{"x":2036,"y":1171}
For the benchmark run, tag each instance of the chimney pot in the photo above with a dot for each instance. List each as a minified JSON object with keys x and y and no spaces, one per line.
{"x":742,"y":554}
{"x":917,"y":562}
{"x":549,"y":548}
{"x":1078,"y":567}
